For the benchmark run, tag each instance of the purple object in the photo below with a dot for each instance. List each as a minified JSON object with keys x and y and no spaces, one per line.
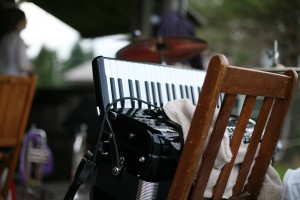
{"x":174,"y":24}
{"x":34,"y":135}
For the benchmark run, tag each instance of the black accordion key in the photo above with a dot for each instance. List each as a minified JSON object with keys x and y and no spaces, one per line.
{"x":147,"y":92}
{"x":168,"y":92}
{"x":121,"y":92}
{"x":174,"y":92}
{"x":161,"y":103}
{"x":181,"y":91}
{"x":138,"y":92}
{"x":187,"y":92}
{"x":113,"y":91}
{"x":131,"y":93}
{"x":153,"y":93}
{"x":193,"y":95}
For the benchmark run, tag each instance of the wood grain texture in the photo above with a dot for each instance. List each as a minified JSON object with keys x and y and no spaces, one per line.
{"x":16,"y":94}
{"x":276,"y":90}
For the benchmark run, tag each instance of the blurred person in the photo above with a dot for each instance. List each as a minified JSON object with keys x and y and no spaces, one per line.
{"x":173,"y":23}
{"x":13,"y":57}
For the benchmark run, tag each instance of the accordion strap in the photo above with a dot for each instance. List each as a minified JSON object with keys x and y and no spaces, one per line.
{"x":83,"y":171}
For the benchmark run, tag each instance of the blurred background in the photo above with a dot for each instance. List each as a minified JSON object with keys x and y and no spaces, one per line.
{"x":63,"y":36}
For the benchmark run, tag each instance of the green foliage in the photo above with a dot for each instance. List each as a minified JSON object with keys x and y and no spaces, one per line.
{"x":77,"y":56}
{"x":50,"y":70}
{"x":254,"y":24}
{"x":47,"y":68}
{"x":281,"y":169}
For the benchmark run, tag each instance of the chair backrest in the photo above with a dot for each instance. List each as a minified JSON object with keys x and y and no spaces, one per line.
{"x":273,"y":93}
{"x":16,"y":94}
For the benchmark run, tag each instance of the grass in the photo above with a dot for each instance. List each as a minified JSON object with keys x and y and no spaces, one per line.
{"x":281,"y":169}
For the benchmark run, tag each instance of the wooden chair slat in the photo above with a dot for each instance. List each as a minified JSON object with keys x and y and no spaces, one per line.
{"x":16,"y":94}
{"x":276,"y":90}
{"x":234,"y":145}
{"x":212,"y":150}
{"x":15,"y":109}
{"x":247,"y":81}
{"x":252,"y":148}
{"x":200,"y":124}
{"x":3,"y":102}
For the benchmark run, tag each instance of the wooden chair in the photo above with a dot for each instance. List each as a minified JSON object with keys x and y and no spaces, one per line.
{"x":16,"y":94}
{"x":274,"y":91}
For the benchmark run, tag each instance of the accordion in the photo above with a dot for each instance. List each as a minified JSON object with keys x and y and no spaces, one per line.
{"x":147,"y":146}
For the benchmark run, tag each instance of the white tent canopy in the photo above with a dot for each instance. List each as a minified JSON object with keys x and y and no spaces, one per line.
{"x":105,"y":46}
{"x":80,"y":74}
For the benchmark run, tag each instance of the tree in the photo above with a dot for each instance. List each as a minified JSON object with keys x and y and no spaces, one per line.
{"x":243,"y":29}
{"x":252,"y":25}
{"x":47,"y":67}
{"x":77,"y":56}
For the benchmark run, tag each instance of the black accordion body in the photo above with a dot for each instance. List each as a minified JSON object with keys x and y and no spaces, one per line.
{"x":140,"y":146}
{"x":139,"y":158}
{"x":149,"y":147}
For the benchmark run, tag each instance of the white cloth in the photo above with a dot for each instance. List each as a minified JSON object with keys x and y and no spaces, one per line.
{"x":13,"y":58}
{"x":181,"y":111}
{"x":291,"y":184}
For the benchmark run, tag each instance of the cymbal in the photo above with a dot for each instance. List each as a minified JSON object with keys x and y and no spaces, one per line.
{"x":168,"y":50}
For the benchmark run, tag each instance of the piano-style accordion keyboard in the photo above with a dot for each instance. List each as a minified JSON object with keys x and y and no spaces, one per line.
{"x":156,"y":84}
{"x":153,"y":83}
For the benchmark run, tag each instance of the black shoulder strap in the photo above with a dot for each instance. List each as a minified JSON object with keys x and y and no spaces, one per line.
{"x":83,"y":171}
